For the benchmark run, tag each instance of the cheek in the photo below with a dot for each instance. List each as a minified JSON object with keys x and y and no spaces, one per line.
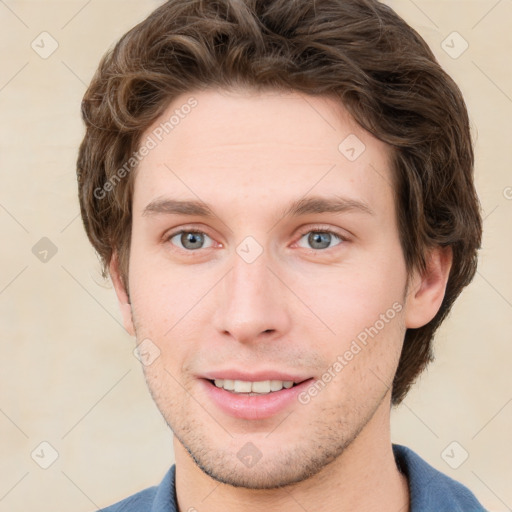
{"x":362,"y":361}
{"x":169,"y":309}
{"x":161,"y":295}
{"x":351,"y":299}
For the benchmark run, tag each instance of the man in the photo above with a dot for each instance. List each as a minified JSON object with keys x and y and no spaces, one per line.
{"x":282,"y":193}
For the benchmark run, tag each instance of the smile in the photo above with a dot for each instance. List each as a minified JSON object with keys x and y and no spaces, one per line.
{"x":253,"y":400}
{"x":261,"y":387}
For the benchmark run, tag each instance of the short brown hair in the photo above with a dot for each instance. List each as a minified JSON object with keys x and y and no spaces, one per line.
{"x":357,"y":51}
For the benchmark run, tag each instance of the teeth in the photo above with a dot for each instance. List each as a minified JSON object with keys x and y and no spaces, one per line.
{"x":229,"y":384}
{"x":242,"y":386}
{"x":261,"y":387}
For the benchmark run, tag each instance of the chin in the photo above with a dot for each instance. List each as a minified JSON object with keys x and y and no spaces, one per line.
{"x":279,"y":470}
{"x":256,"y":479}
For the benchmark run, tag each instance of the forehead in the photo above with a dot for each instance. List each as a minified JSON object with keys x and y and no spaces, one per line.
{"x":232,"y":144}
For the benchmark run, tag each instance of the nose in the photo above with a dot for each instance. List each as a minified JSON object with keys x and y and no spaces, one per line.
{"x":253,"y":302}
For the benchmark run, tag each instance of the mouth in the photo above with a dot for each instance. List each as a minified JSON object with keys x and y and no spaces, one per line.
{"x":253,"y":388}
{"x":253,"y":399}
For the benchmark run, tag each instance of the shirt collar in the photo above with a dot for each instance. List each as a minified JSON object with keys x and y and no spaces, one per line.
{"x":429,"y":489}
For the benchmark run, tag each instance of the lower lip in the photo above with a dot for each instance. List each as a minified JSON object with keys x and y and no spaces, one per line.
{"x":253,"y":407}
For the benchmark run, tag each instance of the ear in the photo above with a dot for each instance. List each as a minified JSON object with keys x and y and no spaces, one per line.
{"x":426,"y":291}
{"x":122,"y":295}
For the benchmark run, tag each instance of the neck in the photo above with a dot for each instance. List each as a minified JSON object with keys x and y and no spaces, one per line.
{"x":363,"y":478}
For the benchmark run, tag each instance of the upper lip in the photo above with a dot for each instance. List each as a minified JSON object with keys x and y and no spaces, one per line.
{"x":258,"y":376}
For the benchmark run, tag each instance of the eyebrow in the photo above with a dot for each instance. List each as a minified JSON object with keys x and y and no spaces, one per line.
{"x":299,"y":207}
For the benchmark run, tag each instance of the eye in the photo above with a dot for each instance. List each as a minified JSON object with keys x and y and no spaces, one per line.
{"x":320,"y":239}
{"x":190,"y":240}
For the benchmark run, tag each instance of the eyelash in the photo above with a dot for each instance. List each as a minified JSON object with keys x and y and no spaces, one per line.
{"x":316,"y":229}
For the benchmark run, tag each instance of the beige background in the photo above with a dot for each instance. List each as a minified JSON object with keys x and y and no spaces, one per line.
{"x":68,"y":374}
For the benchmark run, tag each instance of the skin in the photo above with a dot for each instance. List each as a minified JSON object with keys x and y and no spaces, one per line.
{"x":295,"y":308}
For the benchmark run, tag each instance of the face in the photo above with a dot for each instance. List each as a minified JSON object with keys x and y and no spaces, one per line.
{"x":286,"y":271}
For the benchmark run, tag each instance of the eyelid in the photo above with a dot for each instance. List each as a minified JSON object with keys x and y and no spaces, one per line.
{"x":325,"y":229}
{"x":185,"y":227}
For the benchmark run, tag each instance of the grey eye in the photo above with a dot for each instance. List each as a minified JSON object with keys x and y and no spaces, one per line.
{"x":190,"y":240}
{"x":320,"y":239}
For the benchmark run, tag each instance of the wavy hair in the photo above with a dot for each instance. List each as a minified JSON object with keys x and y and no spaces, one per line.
{"x":357,"y":51}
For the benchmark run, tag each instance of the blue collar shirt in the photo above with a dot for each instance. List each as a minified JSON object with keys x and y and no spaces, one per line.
{"x":429,"y":490}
